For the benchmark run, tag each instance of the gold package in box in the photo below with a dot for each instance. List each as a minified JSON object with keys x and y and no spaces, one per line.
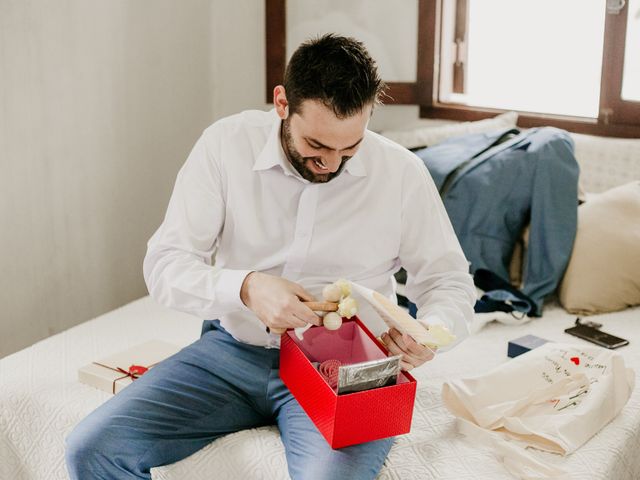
{"x":115,"y":372}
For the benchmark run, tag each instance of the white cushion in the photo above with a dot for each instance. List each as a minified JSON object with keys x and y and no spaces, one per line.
{"x":606,"y":162}
{"x":428,"y":136}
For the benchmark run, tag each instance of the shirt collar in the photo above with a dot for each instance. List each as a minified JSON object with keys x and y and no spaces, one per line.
{"x":273,"y":154}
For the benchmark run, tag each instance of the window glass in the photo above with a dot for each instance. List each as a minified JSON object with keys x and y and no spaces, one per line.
{"x":631,"y":77}
{"x":388,"y":30}
{"x":540,"y":56}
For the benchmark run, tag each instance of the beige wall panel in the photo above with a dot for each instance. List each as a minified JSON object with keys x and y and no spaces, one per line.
{"x":100,"y":102}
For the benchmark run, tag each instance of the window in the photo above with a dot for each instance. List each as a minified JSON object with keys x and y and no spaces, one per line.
{"x":573,"y":64}
{"x":537,"y":65}
{"x":631,"y":76}
{"x":388,"y":29}
{"x":561,"y":62}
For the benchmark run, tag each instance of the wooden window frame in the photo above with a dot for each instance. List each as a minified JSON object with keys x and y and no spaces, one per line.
{"x":617,"y":117}
{"x":398,"y":93}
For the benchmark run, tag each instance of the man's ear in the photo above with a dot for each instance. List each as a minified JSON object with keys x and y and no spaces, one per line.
{"x":280,"y":102}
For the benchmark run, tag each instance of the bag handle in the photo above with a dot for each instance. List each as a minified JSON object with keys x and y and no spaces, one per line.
{"x":497,"y":291}
{"x":516,"y":460}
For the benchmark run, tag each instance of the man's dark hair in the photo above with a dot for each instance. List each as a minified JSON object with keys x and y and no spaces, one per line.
{"x":337,"y":71}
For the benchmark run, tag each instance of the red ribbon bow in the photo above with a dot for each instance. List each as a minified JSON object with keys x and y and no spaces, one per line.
{"x":134,"y":371}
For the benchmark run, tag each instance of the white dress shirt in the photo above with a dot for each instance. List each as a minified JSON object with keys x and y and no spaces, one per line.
{"x":238,"y":199}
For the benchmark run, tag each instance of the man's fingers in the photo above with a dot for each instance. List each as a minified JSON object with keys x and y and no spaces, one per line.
{"x":303,"y":294}
{"x":285,"y":320}
{"x":277,"y":301}
{"x":407,"y":344}
{"x":304,"y":313}
{"x":405,"y":366}
{"x":395,"y":349}
{"x":397,"y":338}
{"x":429,"y":353}
{"x":418,"y":349}
{"x":297,"y":322}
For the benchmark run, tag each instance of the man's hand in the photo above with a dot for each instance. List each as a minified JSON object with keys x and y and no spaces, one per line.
{"x":413,"y":354}
{"x":277,"y":302}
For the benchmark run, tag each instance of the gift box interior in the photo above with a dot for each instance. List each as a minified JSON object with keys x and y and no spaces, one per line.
{"x":350,"y":418}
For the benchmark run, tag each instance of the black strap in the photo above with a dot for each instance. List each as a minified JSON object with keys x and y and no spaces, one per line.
{"x":486,"y":280}
{"x":509,"y":134}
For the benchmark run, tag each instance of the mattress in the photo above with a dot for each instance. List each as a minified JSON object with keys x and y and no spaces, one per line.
{"x":41,"y":401}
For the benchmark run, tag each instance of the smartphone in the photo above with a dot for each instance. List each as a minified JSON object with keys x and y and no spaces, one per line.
{"x":594,"y":335}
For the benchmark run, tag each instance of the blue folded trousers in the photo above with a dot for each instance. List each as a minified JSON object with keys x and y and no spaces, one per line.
{"x":213,"y":387}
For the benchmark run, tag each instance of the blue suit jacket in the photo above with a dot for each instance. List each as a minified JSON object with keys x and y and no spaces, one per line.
{"x":530,"y":178}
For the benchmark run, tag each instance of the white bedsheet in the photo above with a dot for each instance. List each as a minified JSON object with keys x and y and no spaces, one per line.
{"x":41,"y":400}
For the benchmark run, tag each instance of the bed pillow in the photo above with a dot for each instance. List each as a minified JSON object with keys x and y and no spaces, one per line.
{"x":606,"y":162}
{"x":603,"y":274}
{"x":428,"y":136}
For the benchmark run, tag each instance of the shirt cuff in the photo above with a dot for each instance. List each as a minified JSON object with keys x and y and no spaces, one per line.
{"x":228,"y":289}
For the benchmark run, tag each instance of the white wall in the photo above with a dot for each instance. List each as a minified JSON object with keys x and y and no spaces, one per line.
{"x":239,"y":66}
{"x":100,"y":102}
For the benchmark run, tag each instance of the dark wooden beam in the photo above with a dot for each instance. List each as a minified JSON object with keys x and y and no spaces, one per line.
{"x":428,"y":45}
{"x":613,"y":109}
{"x":401,"y":93}
{"x":276,"y":44}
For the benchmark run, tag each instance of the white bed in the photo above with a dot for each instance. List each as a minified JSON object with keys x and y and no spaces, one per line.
{"x":41,"y":400}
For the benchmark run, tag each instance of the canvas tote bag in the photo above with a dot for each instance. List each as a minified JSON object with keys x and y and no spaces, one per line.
{"x":553,"y":398}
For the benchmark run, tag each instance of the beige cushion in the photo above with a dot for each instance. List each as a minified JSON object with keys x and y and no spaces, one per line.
{"x":603,"y":274}
{"x":428,"y":136}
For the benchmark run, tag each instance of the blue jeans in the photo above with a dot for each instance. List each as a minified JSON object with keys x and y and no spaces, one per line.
{"x":213,"y":387}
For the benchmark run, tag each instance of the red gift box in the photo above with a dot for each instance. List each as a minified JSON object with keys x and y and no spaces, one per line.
{"x":351,"y":418}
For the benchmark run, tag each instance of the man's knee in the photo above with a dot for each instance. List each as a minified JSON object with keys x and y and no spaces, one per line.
{"x":334,"y":471}
{"x":91,"y":452}
{"x":80,"y":451}
{"x":360,"y":462}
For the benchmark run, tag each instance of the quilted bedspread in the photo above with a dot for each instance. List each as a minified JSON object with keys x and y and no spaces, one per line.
{"x":41,"y":401}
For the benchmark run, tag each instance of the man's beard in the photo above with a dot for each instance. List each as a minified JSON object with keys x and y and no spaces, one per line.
{"x":300,"y":163}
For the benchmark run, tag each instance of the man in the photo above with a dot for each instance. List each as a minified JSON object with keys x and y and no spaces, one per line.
{"x":289,"y":201}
